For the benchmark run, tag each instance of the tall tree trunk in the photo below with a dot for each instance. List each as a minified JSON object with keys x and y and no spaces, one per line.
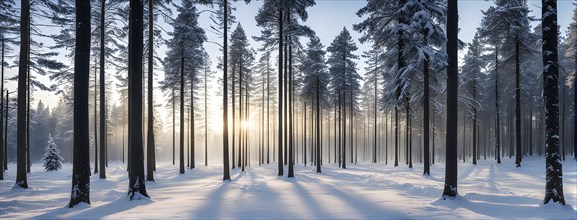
{"x":518,"y":151}
{"x":2,"y":146}
{"x":318,"y":159}
{"x":450,"y":190}
{"x":150,"y":146}
{"x":28,"y":160}
{"x":192,"y":147}
{"x":226,"y":172}
{"x":554,"y":173}
{"x":137,"y":187}
{"x":173,"y":128}
{"x":268,"y":109}
{"x":103,"y":147}
{"x":21,"y":178}
{"x":81,"y":160}
{"x":181,"y":142}
{"x":305,"y":134}
{"x":290,"y":105}
{"x":205,"y":118}
{"x":95,"y":119}
{"x":426,"y":162}
{"x":285,"y":109}
{"x":234,"y":114}
{"x":396,"y":136}
{"x":574,"y":106}
{"x":6,"y":134}
{"x":280,"y":96}
{"x":241,"y":117}
{"x":475,"y":120}
{"x":497,"y":113}
{"x":344,"y":131}
{"x":375,"y":114}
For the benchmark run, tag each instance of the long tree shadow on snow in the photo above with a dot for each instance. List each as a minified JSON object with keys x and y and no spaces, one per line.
{"x":356,"y":202}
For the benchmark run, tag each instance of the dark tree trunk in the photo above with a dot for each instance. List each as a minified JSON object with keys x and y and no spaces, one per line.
{"x":518,"y":150}
{"x":181,"y":140}
{"x":375,"y":116}
{"x":137,"y":187}
{"x":103,"y":146}
{"x":2,"y":146}
{"x":396,"y":136}
{"x":192,"y":155}
{"x":290,"y":79}
{"x":497,"y":113}
{"x":21,"y":178}
{"x":344,"y":131}
{"x":205,"y":119}
{"x":95,"y":120}
{"x":173,"y":128}
{"x":268,"y":110}
{"x":280,"y":96}
{"x":574,"y":107}
{"x":233,"y":115}
{"x":241,"y":117}
{"x":28,"y":160}
{"x":226,"y":173}
{"x":554,"y":173}
{"x":150,"y":147}
{"x":450,"y":190}
{"x":81,"y":160}
{"x":426,"y":163}
{"x":318,"y":158}
{"x":6,"y":134}
{"x":475,"y":121}
{"x":305,"y":134}
{"x":285,"y":109}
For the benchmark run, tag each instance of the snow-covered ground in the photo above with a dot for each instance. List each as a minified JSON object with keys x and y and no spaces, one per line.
{"x":377,"y":191}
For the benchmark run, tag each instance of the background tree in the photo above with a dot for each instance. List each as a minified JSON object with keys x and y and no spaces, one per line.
{"x":344,"y":80}
{"x":8,"y":22}
{"x":185,"y":56}
{"x":315,"y":88}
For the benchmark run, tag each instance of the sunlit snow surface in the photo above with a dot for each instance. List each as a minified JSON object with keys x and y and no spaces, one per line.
{"x":363,"y":191}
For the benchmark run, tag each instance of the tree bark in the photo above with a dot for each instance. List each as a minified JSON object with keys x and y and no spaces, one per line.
{"x":103,"y":135}
{"x":450,"y":190}
{"x":554,"y":173}
{"x":150,"y":147}
{"x":137,"y":187}
{"x":21,"y":178}
{"x":226,"y":172}
{"x":80,"y":192}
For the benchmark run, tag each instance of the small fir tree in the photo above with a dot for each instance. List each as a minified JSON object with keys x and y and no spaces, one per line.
{"x":52,"y":158}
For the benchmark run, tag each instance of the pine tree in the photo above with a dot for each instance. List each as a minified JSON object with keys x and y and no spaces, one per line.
{"x":185,"y":57}
{"x":52,"y":158}
{"x":572,"y":52}
{"x":315,"y":88}
{"x":8,"y":22}
{"x":471,"y":71}
{"x":427,"y":35}
{"x":344,"y":80}
{"x":386,"y":26}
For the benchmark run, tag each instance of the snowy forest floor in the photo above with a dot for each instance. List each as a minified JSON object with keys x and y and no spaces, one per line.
{"x":488,"y":190}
